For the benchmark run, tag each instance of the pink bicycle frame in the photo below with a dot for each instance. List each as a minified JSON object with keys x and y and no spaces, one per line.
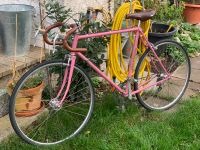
{"x":138,"y":33}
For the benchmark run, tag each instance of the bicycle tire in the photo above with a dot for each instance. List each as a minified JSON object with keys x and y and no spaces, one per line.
{"x":19,"y":129}
{"x":160,"y":49}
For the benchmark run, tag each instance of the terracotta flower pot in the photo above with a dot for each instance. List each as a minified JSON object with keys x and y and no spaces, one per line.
{"x":29,"y":113}
{"x":192,"y":13}
{"x":28,"y":101}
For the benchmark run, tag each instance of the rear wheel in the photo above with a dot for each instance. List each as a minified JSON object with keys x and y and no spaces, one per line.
{"x":50,"y":124}
{"x":166,"y":94}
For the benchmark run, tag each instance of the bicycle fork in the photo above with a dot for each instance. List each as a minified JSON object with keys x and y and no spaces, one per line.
{"x":57,"y":102}
{"x":71,"y":63}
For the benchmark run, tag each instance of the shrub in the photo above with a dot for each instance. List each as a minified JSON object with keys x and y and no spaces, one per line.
{"x":95,"y":46}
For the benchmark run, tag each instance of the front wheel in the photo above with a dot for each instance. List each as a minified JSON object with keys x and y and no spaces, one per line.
{"x":165,"y":94}
{"x":33,"y":112}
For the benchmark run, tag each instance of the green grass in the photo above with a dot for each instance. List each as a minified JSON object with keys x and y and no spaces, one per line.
{"x":110,"y":129}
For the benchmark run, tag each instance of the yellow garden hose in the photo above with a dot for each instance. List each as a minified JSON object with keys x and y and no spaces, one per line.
{"x":116,"y":65}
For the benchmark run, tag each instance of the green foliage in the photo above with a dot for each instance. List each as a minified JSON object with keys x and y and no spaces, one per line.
{"x":165,"y":12}
{"x":189,"y":36}
{"x":95,"y":46}
{"x":32,"y":82}
{"x":96,"y":82}
{"x":190,"y":28}
{"x":57,"y":12}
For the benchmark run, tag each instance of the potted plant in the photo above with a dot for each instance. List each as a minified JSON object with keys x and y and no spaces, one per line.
{"x":163,"y":26}
{"x":192,"y":11}
{"x":28,"y":101}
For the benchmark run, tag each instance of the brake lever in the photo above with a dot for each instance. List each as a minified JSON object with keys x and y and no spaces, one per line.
{"x":54,"y":42}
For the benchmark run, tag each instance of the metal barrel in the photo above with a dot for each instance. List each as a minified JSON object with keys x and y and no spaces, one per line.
{"x":10,"y":28}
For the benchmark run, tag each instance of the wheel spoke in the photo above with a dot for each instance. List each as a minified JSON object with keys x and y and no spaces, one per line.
{"x":53,"y":124}
{"x":164,"y":95}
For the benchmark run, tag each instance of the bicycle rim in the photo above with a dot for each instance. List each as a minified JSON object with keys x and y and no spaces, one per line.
{"x":166,"y":94}
{"x":48,"y":125}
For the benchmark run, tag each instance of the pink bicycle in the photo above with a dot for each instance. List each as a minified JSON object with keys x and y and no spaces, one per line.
{"x":68,"y":95}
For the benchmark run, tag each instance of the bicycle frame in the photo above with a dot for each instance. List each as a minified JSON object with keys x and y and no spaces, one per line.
{"x":138,"y":33}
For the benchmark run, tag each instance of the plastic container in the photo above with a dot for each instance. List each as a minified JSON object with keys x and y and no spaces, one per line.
{"x":159,"y":32}
{"x":8,"y":21}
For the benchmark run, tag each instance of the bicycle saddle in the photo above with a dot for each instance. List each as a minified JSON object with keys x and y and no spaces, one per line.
{"x":143,"y":15}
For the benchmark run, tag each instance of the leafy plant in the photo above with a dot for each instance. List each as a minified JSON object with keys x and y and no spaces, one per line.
{"x":95,"y":46}
{"x":57,"y":12}
{"x":30,"y":83}
{"x":166,"y":12}
{"x":189,"y":36}
{"x":96,"y":82}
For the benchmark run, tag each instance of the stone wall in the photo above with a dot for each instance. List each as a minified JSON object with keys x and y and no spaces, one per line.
{"x":82,"y":5}
{"x":77,"y":6}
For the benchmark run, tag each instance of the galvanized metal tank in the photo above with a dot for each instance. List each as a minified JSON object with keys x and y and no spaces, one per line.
{"x":8,"y":28}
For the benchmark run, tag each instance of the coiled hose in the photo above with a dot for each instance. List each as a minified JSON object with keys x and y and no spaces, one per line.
{"x":116,"y":66}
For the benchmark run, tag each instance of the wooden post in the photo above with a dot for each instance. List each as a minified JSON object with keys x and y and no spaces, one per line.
{"x":42,"y":15}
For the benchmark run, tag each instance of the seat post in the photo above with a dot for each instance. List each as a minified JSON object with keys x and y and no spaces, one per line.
{"x":139,"y":23}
